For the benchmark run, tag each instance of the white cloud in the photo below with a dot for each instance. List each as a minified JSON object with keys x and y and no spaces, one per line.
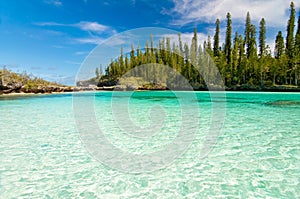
{"x":274,"y":11}
{"x":91,"y":26}
{"x":82,"y":52}
{"x":58,"y":46}
{"x":56,"y":3}
{"x":97,"y":32}
{"x":49,"y":24}
{"x":83,"y":25}
{"x":90,"y":40}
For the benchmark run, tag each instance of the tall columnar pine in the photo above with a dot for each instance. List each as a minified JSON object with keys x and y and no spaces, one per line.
{"x":228,"y":39}
{"x":237,"y":61}
{"x":290,"y":42}
{"x":262,"y":38}
{"x":297,"y":37}
{"x":217,"y":39}
{"x":180,"y":55}
{"x":252,"y":42}
{"x":262,"y":52}
{"x":279,"y":45}
{"x":247,"y":34}
{"x":209,"y":49}
{"x":281,"y":61}
{"x":252,"y":53}
{"x":297,"y":53}
{"x":235,"y":57}
{"x":228,"y":49}
{"x":194,"y":47}
{"x":241,"y":61}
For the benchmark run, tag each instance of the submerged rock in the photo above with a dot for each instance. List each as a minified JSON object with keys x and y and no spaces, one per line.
{"x":284,"y":103}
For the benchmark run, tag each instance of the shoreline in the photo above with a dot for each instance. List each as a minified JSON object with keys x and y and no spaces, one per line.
{"x":265,"y":90}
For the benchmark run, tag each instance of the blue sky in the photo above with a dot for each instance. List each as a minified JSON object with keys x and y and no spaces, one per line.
{"x":51,"y":38}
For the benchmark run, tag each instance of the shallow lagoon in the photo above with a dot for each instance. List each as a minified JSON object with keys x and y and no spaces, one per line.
{"x":257,"y":154}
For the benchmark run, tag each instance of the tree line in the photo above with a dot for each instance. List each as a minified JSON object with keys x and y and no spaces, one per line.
{"x":239,"y":59}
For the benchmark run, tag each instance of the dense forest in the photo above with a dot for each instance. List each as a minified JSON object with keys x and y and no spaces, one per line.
{"x":243,"y":59}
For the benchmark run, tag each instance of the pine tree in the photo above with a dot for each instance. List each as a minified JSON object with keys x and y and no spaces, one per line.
{"x":279,"y":45}
{"x":228,"y":39}
{"x":290,"y":43}
{"x":252,"y":42}
{"x":209,"y":49}
{"x":127,"y":64}
{"x":280,"y":57}
{"x":217,"y":39}
{"x":187,"y":73}
{"x":235,"y":57}
{"x":238,"y":62}
{"x":262,"y":38}
{"x":241,"y":61}
{"x":263,"y":61}
{"x":193,"y":53}
{"x":195,"y":40}
{"x":297,"y":52}
{"x":252,"y":51}
{"x":297,"y":37}
{"x":247,"y":34}
{"x":228,"y":50}
{"x":97,"y":73}
{"x":121,"y":63}
{"x":180,"y":54}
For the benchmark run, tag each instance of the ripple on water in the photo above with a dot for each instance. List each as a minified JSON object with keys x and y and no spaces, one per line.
{"x":256,"y":156}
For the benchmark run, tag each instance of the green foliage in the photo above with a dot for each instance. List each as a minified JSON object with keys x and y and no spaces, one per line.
{"x":8,"y":77}
{"x":279,"y":45}
{"x":217,"y":39}
{"x":290,"y":42}
{"x":262,"y":38}
{"x":290,"y":32}
{"x":240,"y":62}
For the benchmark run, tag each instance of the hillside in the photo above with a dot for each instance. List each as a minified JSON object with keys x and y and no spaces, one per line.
{"x":11,"y":82}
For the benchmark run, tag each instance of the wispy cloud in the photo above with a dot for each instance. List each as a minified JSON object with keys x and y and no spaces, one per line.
{"x":56,"y":3}
{"x":49,"y":24}
{"x":82,"y":52}
{"x":82,"y":25}
{"x":90,"y":40}
{"x":117,"y":40}
{"x":58,"y":46}
{"x":97,"y":32}
{"x":190,"y":11}
{"x":91,"y":26}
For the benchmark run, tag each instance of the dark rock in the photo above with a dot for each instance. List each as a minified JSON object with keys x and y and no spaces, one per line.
{"x":284,"y":103}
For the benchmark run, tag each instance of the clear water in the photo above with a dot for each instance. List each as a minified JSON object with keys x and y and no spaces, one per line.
{"x":257,"y":154}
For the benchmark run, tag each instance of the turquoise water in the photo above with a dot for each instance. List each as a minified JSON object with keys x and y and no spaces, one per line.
{"x":257,"y":154}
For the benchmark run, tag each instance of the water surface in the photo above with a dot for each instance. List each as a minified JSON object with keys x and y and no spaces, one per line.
{"x":257,"y":154}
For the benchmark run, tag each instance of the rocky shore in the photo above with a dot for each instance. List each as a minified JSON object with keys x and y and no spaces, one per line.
{"x":19,"y":88}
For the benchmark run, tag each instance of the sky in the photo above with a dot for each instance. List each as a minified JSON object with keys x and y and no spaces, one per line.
{"x":52,"y":39}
